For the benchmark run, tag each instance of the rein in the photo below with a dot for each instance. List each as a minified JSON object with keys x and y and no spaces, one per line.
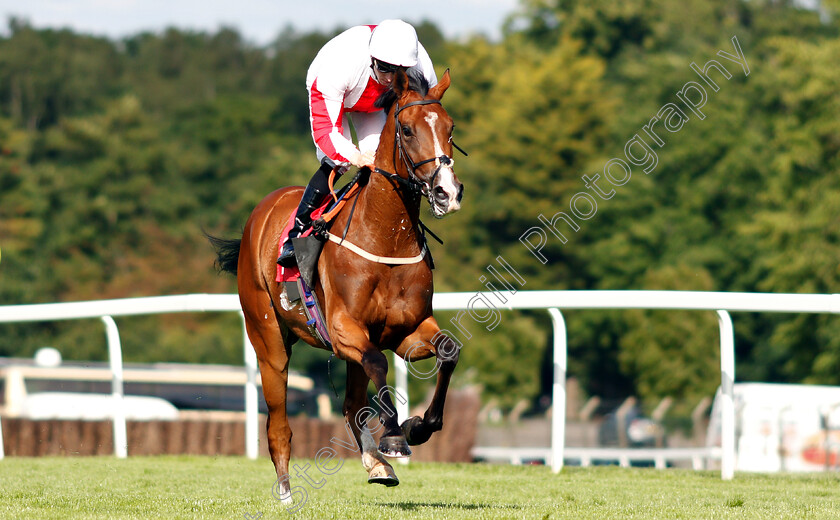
{"x":355,"y":185}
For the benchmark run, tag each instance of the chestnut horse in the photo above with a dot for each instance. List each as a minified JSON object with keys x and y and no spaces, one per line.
{"x":369,"y":306}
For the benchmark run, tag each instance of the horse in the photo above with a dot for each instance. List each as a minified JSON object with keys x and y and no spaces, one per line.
{"x":370,"y":307}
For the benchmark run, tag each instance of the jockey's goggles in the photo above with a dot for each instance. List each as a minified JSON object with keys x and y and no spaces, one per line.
{"x":385,"y":68}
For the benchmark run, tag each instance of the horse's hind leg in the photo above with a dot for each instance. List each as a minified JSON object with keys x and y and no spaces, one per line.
{"x":273,"y":350}
{"x":428,"y":340}
{"x":356,"y":413}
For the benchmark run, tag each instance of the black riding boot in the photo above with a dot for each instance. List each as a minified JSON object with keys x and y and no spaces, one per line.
{"x":313,"y":195}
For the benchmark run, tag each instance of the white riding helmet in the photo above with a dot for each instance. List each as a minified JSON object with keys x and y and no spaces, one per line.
{"x":394,"y":42}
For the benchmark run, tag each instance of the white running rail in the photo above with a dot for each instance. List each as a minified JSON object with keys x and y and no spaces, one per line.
{"x":720,"y":302}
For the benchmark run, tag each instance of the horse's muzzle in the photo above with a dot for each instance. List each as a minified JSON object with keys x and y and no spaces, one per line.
{"x":445,"y":197}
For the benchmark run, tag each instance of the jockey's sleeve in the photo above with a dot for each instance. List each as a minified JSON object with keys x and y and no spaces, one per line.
{"x":326,"y":105}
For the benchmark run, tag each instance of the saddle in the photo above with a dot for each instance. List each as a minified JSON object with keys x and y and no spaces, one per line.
{"x":299,"y":280}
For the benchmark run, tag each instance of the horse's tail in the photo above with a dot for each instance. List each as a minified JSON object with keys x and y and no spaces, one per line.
{"x":227,"y":253}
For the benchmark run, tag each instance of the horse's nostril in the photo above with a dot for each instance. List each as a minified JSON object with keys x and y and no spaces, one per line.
{"x":460,"y":193}
{"x":440,"y":194}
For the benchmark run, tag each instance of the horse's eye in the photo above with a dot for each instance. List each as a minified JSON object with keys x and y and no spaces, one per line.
{"x":406,"y":131}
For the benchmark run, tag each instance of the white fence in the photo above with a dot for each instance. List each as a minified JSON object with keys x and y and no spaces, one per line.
{"x":552,"y":301}
{"x":107,"y":309}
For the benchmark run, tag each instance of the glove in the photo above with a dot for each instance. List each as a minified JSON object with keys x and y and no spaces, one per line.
{"x":362,"y":159}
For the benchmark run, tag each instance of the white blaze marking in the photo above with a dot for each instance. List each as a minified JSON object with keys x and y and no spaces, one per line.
{"x":446,"y":174}
{"x":432,"y":119}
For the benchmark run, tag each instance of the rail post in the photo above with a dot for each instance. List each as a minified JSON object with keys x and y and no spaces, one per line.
{"x":558,"y":392}
{"x":727,"y":393}
{"x":115,"y":360}
{"x":401,"y":382}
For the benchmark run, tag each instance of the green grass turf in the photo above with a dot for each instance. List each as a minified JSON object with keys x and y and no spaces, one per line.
{"x":174,"y":487}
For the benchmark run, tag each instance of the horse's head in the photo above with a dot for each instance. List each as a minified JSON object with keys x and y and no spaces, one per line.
{"x":423,"y":140}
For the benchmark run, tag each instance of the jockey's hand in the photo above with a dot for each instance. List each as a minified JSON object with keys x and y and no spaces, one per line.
{"x":362,"y":159}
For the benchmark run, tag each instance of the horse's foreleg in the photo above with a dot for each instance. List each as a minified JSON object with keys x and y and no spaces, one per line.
{"x":352,"y":343}
{"x":392,"y":443}
{"x":273,"y":355}
{"x":355,"y":411}
{"x":429,"y":341}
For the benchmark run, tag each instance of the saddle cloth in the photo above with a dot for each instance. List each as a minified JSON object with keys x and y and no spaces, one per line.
{"x":291,"y":274}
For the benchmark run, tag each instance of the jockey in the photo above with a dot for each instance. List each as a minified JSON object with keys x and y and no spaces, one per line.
{"x":345,"y":79}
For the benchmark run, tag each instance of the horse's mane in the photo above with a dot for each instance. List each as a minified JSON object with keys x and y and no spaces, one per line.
{"x":416,"y":82}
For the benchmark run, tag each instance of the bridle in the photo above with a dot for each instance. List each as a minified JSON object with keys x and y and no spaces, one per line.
{"x":414,"y":185}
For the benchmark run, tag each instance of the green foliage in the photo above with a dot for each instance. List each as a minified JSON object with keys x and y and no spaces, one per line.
{"x":668,"y":353}
{"x":45,"y":75}
{"x":529,"y":129}
{"x":114,"y":156}
{"x":488,"y":357}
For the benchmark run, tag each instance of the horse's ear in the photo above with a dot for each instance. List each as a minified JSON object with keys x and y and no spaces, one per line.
{"x":400,"y":84}
{"x":438,"y":90}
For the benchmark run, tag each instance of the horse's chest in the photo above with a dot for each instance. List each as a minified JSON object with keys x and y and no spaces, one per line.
{"x":387,"y":302}
{"x":401,"y":304}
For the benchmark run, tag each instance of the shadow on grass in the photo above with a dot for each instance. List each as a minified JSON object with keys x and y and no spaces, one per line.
{"x":415,"y":506}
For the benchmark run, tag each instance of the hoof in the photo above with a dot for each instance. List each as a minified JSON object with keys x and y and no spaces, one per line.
{"x":415,"y":431}
{"x":383,"y":475}
{"x":394,"y":446}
